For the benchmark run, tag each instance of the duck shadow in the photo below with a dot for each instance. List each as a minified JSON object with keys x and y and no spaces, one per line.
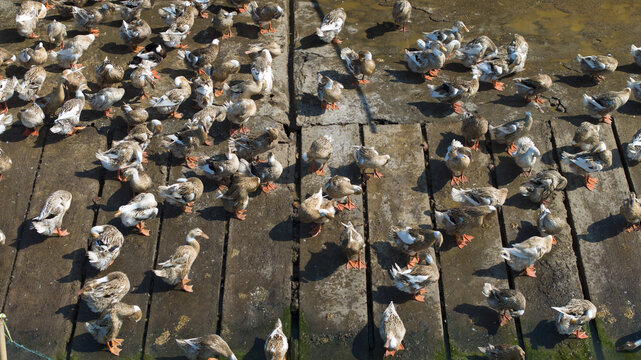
{"x":482,"y":316}
{"x":116,"y":49}
{"x":515,"y":101}
{"x":604,"y":229}
{"x":632,"y":337}
{"x":29,"y":236}
{"x":323,"y":263}
{"x":145,"y":284}
{"x":380,"y":29}
{"x":360,"y":344}
{"x":94,"y":173}
{"x":421,"y":183}
{"x":432,"y":109}
{"x":282,"y":231}
{"x":576,"y":120}
{"x":387,"y":255}
{"x":310,"y":41}
{"x":85,"y":343}
{"x":14,"y":134}
{"x":205,"y":36}
{"x":384,"y":294}
{"x":509,"y":170}
{"x":496,"y":271}
{"x":10,"y":36}
{"x":257,"y":350}
{"x":631,"y":68}
{"x":630,"y":108}
{"x":576,"y":81}
{"x":67,"y":311}
{"x":77,"y":258}
{"x":404,"y":76}
{"x":544,"y":335}
{"x":309,"y":105}
{"x":248,"y":31}
{"x":85,"y":314}
{"x":521,"y":202}
{"x":456,"y":67}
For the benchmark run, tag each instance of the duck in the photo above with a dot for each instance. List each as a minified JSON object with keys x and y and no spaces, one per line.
{"x":414,"y":280}
{"x":138,"y":179}
{"x":5,"y":163}
{"x":329,"y":92}
{"x":89,"y":19}
{"x":509,"y":132}
{"x":636,"y":53}
{"x":105,"y":247}
{"x":517,"y":54}
{"x":392,"y":330}
{"x":33,"y":56}
{"x":268,"y":172}
{"x":331,"y":26}
{"x":31,"y":118}
{"x":457,"y":159}
{"x":633,"y":149}
{"x":171,"y":100}
{"x":492,"y":69}
{"x":319,"y":151}
{"x":6,"y":120}
{"x":153,"y":52}
{"x":221,"y":167}
{"x":109,"y":73}
{"x":450,"y":38}
{"x":239,"y":113}
{"x":476,"y":51}
{"x":600,"y":106}
{"x":586,"y":136}
{"x":508,"y":302}
{"x":631,"y":211}
{"x":135,"y":115}
{"x":250,"y":147}
{"x":7,"y":89}
{"x":28,"y":16}
{"x":129,"y":13}
{"x":3,"y":237}
{"x":589,"y":162}
{"x":415,"y":241}
{"x":255,"y":49}
{"x":54,"y":100}
{"x":142,"y":77}
{"x":102,"y":293}
{"x":83,"y":42}
{"x":549,"y":224}
{"x":401,"y":13}
{"x":31,"y":83}
{"x":276,"y":345}
{"x":525,"y":155}
{"x":203,"y":90}
{"x":173,"y":38}
{"x":200,"y":59}
{"x":503,"y":352}
{"x":179,"y":30}
{"x":183,"y":193}
{"x":318,"y":210}
{"x":177,"y":268}
{"x":572,"y":317}
{"x":262,"y":70}
{"x":49,"y":221}
{"x":597,"y":66}
{"x":527,"y":87}
{"x":73,"y":78}
{"x":339,"y":188}
{"x":104,"y":99}
{"x":473,"y":127}
{"x":264,"y":15}
{"x":353,"y":244}
{"x":426,"y":62}
{"x":122,"y":155}
{"x":360,"y":63}
{"x":105,"y":330}
{"x":6,"y":57}
{"x":523,"y":255}
{"x":141,"y":208}
{"x":460,"y":220}
{"x":56,"y":34}
{"x":208,"y":115}
{"x":243,"y":90}
{"x":205,"y":347}
{"x":134,"y":32}
{"x":368,"y":158}
{"x":143,"y":133}
{"x":68,"y":57}
{"x":542,"y":186}
{"x":454,"y":91}
{"x":183,"y":143}
{"x":635,"y":86}
{"x":480,"y":196}
{"x":236,"y":197}
{"x":202,"y":6}
{"x":65,"y":7}
{"x":175,"y":9}
{"x":221,"y":74}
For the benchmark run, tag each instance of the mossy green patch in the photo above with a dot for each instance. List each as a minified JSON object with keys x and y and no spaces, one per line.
{"x":608,"y":344}
{"x":568,"y":349}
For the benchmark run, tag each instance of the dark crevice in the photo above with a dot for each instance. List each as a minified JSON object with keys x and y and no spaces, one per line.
{"x":441,"y":292}
{"x":223,"y":265}
{"x":575,"y":246}
{"x":624,"y":160}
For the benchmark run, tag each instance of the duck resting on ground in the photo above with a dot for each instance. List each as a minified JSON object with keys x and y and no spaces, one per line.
{"x":205,"y":347}
{"x":105,"y":247}
{"x":508,"y":302}
{"x":331,"y":26}
{"x":457,"y":159}
{"x":105,"y":330}
{"x":415,"y":242}
{"x":340,"y":188}
{"x":102,"y":293}
{"x":141,"y":208}
{"x":49,"y":221}
{"x":572,"y":317}
{"x":589,"y":162}
{"x":600,"y":106}
{"x":276,"y":345}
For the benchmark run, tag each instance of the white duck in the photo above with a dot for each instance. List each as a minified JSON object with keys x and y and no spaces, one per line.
{"x":525,"y":155}
{"x":392,"y":330}
{"x":572,"y":317}
{"x":69,"y":116}
{"x":141,"y":208}
{"x":523,"y":255}
{"x":49,"y":221}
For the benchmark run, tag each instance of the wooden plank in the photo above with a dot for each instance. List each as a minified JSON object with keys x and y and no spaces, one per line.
{"x":259,"y":265}
{"x":607,"y":252}
{"x":136,"y":259}
{"x":41,"y":303}
{"x":15,"y":192}
{"x":175,"y":313}
{"x":401,"y":200}
{"x":464,"y":271}
{"x":333,"y":302}
{"x":557,"y":273}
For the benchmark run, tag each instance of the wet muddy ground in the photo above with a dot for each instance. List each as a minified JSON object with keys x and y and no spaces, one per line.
{"x":250,"y":273}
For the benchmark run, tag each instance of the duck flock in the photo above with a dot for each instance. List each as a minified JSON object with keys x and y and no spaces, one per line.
{"x":239,"y":172}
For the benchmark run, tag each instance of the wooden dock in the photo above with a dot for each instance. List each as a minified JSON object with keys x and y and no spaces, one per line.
{"x":251,"y":273}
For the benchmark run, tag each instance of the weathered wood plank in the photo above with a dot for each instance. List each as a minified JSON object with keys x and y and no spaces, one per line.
{"x":136,"y":259}
{"x":42,"y":296}
{"x":401,"y":198}
{"x":333,"y":303}
{"x":607,"y":252}
{"x":256,"y":295}
{"x":557,"y":273}
{"x":464,"y":271}
{"x":175,"y":313}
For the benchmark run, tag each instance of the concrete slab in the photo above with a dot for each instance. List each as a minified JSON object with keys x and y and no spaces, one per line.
{"x":401,"y":198}
{"x":333,"y":300}
{"x":466,"y":307}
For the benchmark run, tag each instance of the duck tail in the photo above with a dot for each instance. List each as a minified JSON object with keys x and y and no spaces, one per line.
{"x":305,"y":157}
{"x":487,"y":289}
{"x":458,"y":195}
{"x":96,"y":261}
{"x":160,"y":273}
{"x":505,"y":254}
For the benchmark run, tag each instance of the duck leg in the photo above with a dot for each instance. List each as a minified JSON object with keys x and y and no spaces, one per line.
{"x":530,"y":271}
{"x":262,"y":31}
{"x":6,"y":108}
{"x":108,"y":113}
{"x":457,"y":107}
{"x":135,"y":48}
{"x":463,"y":240}
{"x":336,"y":40}
{"x":339,"y":207}
{"x":175,"y":114}
{"x":33,"y":36}
{"x":504,"y":317}
{"x":498,"y":85}
{"x":631,"y":228}
{"x":580,"y":334}
{"x":61,"y":232}
{"x":590,"y":182}
{"x":333,"y":106}
{"x":414,"y":260}
{"x":218,"y":93}
{"x":607,"y":119}
{"x":538,"y":99}
{"x":324,"y":106}
{"x":184,"y":286}
{"x":182,"y":46}
{"x":268,"y":187}
{"x":240,"y":214}
{"x":119,"y":176}
{"x":30,"y":132}
{"x":188,"y":207}
{"x":419,"y":296}
{"x":433,"y":72}
{"x":190,"y":161}
{"x":242,"y":9}
{"x":378,"y":174}
{"x":476,"y":146}
{"x":316,"y":229}
{"x":363,"y":80}
{"x":271,"y":30}
{"x":204,"y":15}
{"x":113,"y":346}
{"x":511,"y":148}
{"x":141,"y":229}
{"x":95,"y":32}
{"x":48,"y":6}
{"x":75,"y":130}
{"x":427,"y":77}
{"x":350,"y":205}
{"x":244,"y":130}
{"x":321,"y":171}
{"x":312,"y":168}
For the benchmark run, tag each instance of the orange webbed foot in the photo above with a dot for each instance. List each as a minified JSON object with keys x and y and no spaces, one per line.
{"x":240,"y":215}
{"x":530,"y":271}
{"x":607,"y":119}
{"x":457,"y":107}
{"x":218,"y":93}
{"x":631,"y":228}
{"x":316,"y":230}
{"x":433,"y":72}
{"x":263,"y":31}
{"x":33,"y":36}
{"x":61,"y":232}
{"x":337,"y":40}
{"x":363,"y":81}
{"x":505,"y":318}
{"x":580,"y":334}
{"x":185,"y":287}
{"x":182,"y":46}
{"x":498,"y":85}
{"x":30,"y":132}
